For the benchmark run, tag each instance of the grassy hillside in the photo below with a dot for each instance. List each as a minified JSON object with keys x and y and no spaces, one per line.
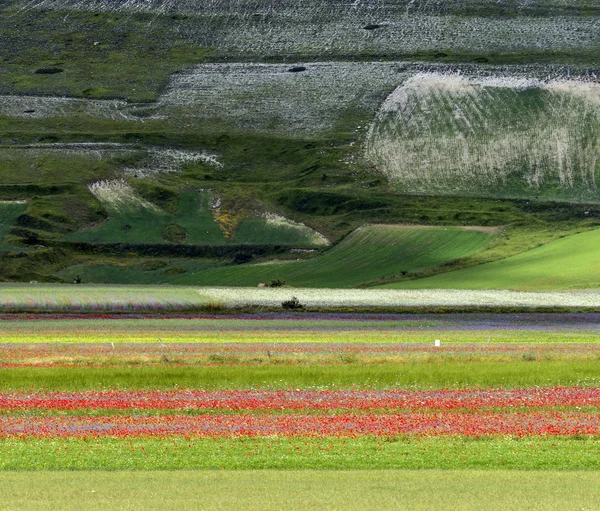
{"x":303,"y":121}
{"x":133,"y":220}
{"x":9,"y":211}
{"x":367,"y":254}
{"x":568,"y":263}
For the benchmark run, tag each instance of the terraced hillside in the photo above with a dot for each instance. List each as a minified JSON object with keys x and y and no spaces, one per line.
{"x":140,"y":135}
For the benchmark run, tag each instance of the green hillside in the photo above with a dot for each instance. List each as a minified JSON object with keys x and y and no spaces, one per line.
{"x":572,"y":262}
{"x":9,"y":212}
{"x":136,"y":221}
{"x":367,"y":254}
{"x":239,"y":131}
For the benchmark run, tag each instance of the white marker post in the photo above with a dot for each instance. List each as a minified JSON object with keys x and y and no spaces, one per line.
{"x":437,"y":343}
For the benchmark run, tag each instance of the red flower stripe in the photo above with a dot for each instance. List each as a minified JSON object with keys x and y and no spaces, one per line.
{"x":247,"y":400}
{"x":218,"y":426}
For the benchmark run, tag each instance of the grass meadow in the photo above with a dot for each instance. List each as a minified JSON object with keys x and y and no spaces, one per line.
{"x":9,"y":211}
{"x":568,"y":263}
{"x":455,"y":490}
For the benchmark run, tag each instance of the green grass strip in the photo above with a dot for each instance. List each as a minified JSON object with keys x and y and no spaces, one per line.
{"x":424,"y":375}
{"x":567,"y":263}
{"x":536,"y":453}
{"x":226,"y":331}
{"x":456,"y":490}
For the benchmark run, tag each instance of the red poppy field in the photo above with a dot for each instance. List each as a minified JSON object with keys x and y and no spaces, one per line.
{"x":525,"y":395}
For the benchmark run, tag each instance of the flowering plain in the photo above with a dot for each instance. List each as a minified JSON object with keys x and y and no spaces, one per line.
{"x":286,"y":391}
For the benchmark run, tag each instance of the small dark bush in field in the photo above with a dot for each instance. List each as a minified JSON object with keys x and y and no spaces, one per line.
{"x":150,"y":265}
{"x":292,"y":304}
{"x":242,"y":257}
{"x":176,"y":270}
{"x":48,"y":71}
{"x":174,"y":233}
{"x":213,"y":307}
{"x":77,"y":279}
{"x":277,"y":283}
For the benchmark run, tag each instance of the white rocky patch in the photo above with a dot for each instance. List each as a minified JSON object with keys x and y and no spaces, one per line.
{"x":40,"y":107}
{"x":316,"y":238}
{"x":118,"y":195}
{"x":288,"y":27}
{"x":271,"y":98}
{"x":170,"y":160}
{"x":157,"y":160}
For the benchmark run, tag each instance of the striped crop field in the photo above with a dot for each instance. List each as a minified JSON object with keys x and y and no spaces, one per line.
{"x":270,"y":403}
{"x":34,"y":297}
{"x":190,"y":337}
{"x":301,"y":394}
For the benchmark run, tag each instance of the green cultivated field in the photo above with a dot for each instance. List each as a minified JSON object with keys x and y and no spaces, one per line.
{"x":572,"y":262}
{"x":367,"y":254}
{"x":323,"y":490}
{"x":418,"y":374}
{"x":323,"y":454}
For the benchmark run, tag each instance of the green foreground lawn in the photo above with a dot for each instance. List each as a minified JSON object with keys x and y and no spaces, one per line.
{"x":310,"y":490}
{"x":568,"y":263}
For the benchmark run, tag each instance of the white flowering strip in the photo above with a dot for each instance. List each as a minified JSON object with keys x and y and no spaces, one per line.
{"x":233,"y":297}
{"x":170,"y":160}
{"x":39,"y":107}
{"x":448,"y":133}
{"x":119,"y":196}
{"x":305,"y":27}
{"x":314,"y":237}
{"x":158,"y":160}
